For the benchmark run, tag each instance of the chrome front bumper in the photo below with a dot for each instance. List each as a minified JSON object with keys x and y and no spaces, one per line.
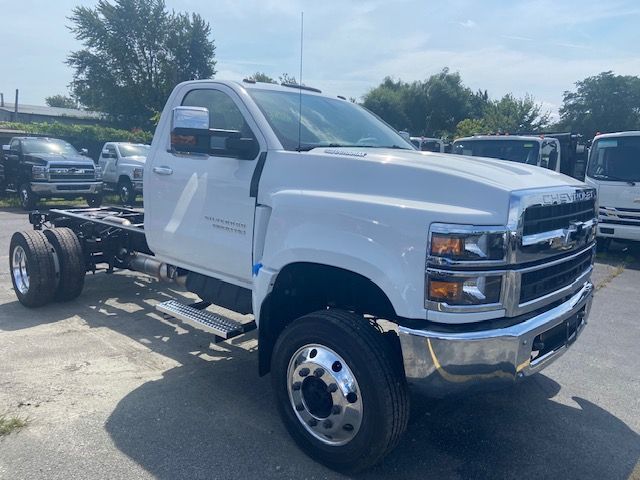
{"x":440,"y":363}
{"x":54,"y":189}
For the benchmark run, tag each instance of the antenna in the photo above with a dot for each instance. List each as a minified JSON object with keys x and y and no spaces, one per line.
{"x":300,"y":82}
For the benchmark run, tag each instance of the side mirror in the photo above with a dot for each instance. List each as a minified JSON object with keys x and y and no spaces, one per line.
{"x":6,"y":149}
{"x":190,"y":133}
{"x":84,"y":152}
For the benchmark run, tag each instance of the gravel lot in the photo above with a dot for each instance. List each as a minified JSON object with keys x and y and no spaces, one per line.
{"x":112,"y":390}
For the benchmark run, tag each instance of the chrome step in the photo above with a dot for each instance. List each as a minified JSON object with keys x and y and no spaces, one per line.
{"x":211,"y":322}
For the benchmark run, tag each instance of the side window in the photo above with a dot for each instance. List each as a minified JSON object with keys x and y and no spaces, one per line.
{"x":15,"y":145}
{"x":224,"y":114}
{"x":111,"y":152}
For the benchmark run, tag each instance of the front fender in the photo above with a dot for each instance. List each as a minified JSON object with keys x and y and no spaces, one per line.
{"x":375,"y":239}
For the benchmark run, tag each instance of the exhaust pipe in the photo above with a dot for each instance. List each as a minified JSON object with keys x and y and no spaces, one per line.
{"x":149,"y":265}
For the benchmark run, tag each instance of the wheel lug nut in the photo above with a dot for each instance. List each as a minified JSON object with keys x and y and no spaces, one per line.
{"x":336,"y":409}
{"x":313,"y":422}
{"x":296,"y":386}
{"x":327,"y":424}
{"x":332,"y":388}
{"x":318,"y":372}
{"x":299,"y":407}
{"x":304,"y":372}
{"x":352,"y":397}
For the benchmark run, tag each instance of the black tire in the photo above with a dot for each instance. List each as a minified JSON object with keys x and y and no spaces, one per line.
{"x":71,"y":263}
{"x":380,"y":377}
{"x":94,"y":201}
{"x":39,"y":268}
{"x":28,"y":199}
{"x":126,"y":192}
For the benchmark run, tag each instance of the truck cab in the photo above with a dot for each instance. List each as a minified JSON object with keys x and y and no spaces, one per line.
{"x":529,"y":150}
{"x":426,"y":144}
{"x":614,"y":170}
{"x":122,"y":166}
{"x":41,"y":167}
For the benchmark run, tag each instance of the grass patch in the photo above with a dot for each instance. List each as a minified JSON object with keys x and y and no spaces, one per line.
{"x":618,"y":270}
{"x":10,"y":424}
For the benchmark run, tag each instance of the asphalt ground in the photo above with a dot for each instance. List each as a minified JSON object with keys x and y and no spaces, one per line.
{"x":110,"y":389}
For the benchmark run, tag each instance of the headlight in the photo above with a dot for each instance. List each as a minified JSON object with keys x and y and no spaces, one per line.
{"x":98,"y":173}
{"x":463,"y":289}
{"x":461,"y":274}
{"x":137,"y":173}
{"x":450,"y":244}
{"x":39,"y":172}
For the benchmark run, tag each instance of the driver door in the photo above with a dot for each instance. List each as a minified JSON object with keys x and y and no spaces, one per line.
{"x":200,"y":211}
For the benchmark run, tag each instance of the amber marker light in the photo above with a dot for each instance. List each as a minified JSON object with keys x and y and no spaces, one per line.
{"x":445,"y":245}
{"x":440,"y":291}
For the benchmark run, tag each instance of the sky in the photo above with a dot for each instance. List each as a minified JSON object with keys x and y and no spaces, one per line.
{"x":537,"y":47}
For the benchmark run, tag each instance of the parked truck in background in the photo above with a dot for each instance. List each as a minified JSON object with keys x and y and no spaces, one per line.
{"x":38,"y":167}
{"x":530,"y":150}
{"x":426,"y":144}
{"x":122,"y":166}
{"x":314,"y":216}
{"x":614,"y":171}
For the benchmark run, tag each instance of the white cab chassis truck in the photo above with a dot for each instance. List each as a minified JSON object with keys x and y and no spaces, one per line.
{"x":614,"y":170}
{"x":322,"y":222}
{"x":541,"y":151}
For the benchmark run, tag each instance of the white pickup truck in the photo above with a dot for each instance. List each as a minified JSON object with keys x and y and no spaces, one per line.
{"x":122,"y":165}
{"x":368,"y":266}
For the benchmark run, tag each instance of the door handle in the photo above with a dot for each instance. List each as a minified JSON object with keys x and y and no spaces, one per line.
{"x":163,"y":170}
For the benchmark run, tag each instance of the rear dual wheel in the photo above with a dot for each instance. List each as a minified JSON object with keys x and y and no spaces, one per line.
{"x":340,"y":389}
{"x":46,"y":266}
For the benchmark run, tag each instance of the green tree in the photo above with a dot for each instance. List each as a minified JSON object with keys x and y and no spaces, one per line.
{"x":61,"y":101}
{"x":602,"y":103}
{"x":135,"y":51}
{"x":469,"y":127}
{"x":286,"y":78}
{"x":511,"y":114}
{"x":432,"y":107}
{"x":262,"y":77}
{"x":387,"y":101}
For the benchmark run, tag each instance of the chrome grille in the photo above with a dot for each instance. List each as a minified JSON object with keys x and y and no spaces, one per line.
{"x":544,"y":281}
{"x":620,"y":216}
{"x":71,"y":173}
{"x":546,"y":218}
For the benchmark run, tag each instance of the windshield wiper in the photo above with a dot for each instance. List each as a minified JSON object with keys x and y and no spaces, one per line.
{"x":306,"y":148}
{"x":615,"y":179}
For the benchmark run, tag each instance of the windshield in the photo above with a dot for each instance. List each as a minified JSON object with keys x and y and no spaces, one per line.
{"x":325,"y":122}
{"x":132,"y":150}
{"x":521,"y":151}
{"x":48,"y":145}
{"x":430,"y":146}
{"x":615,"y":159}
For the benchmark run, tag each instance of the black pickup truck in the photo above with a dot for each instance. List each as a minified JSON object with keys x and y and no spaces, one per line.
{"x":39,"y":167}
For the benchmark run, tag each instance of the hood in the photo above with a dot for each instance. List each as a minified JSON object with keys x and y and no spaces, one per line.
{"x":45,"y":158}
{"x":446,"y":183}
{"x":617,"y":194}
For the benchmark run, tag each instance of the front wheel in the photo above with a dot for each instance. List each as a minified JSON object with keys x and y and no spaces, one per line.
{"x":126,"y":192}
{"x":94,"y":201}
{"x":340,"y":389}
{"x":28,"y":199}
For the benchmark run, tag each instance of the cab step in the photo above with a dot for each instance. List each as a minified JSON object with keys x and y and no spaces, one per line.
{"x":196,"y":316}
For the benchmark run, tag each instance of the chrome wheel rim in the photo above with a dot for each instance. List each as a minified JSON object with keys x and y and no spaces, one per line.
{"x":124,"y":194}
{"x":19,"y":270}
{"x":24,"y":196}
{"x":324,"y":394}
